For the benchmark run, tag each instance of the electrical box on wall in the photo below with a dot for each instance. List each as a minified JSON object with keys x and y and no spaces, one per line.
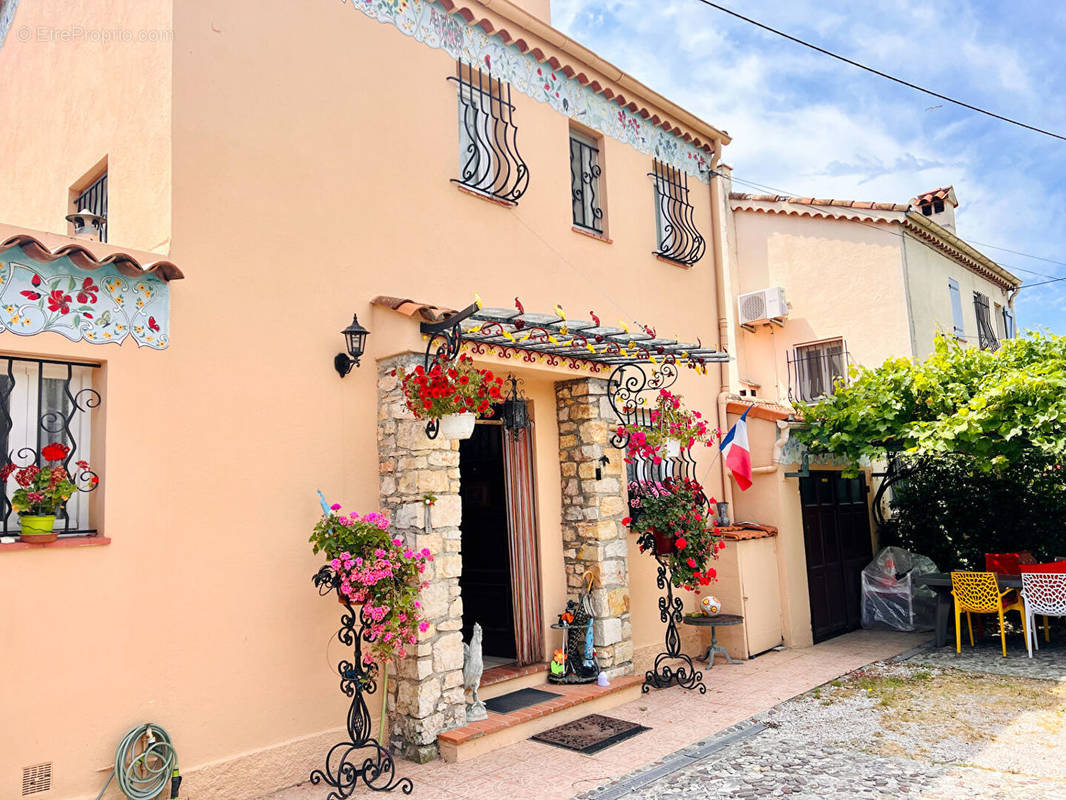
{"x":763,"y":306}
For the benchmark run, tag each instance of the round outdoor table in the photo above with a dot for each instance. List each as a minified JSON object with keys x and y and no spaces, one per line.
{"x":714,"y":622}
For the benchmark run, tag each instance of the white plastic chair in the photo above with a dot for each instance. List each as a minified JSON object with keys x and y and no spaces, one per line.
{"x":1043,"y":593}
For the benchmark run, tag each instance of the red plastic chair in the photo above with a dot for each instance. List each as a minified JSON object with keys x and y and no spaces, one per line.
{"x":1003,"y":563}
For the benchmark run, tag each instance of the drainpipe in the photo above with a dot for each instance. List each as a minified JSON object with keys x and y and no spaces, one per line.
{"x":782,"y":438}
{"x":1010,"y":304}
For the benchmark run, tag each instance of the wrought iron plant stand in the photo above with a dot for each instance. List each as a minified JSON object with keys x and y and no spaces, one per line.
{"x":662,"y":674}
{"x":360,"y":758}
{"x":628,"y":391}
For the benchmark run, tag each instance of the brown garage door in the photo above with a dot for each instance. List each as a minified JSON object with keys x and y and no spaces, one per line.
{"x":836,"y":533}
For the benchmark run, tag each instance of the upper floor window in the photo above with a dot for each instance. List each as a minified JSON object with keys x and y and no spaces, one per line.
{"x":814,"y":369}
{"x":986,"y":335}
{"x":42,"y":402}
{"x":585,"y":182}
{"x":94,"y":198}
{"x":675,"y":226}
{"x":489,"y":162}
{"x":956,"y":308}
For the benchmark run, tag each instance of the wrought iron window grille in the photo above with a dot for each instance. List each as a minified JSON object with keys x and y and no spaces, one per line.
{"x":94,"y":198}
{"x":813,"y":370}
{"x":678,"y":238}
{"x":44,"y":401}
{"x":986,"y":334}
{"x":490,"y":163}
{"x":585,"y":171}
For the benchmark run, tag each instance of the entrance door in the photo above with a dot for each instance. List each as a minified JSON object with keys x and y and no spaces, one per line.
{"x":836,"y":534}
{"x":486,"y":577}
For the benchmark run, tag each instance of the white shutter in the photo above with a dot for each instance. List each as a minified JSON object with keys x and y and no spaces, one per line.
{"x":956,"y":307}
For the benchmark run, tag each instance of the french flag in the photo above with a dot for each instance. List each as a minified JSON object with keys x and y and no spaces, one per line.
{"x":736,"y":452}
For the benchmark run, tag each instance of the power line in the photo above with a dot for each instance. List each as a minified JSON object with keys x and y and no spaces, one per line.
{"x":1020,"y":253}
{"x":880,"y":74}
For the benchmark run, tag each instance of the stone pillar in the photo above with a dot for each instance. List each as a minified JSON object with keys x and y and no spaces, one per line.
{"x":427,"y":695}
{"x":593,"y":534}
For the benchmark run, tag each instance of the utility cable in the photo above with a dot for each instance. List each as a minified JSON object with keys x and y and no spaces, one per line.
{"x":881,"y":74}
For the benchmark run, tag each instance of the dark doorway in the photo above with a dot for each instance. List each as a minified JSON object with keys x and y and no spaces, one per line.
{"x":836,"y":534}
{"x":486,"y":577}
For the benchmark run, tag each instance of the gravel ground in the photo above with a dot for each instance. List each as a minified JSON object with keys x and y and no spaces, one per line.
{"x":980,"y":727}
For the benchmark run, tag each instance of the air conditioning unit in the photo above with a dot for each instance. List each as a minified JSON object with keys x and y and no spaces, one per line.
{"x":765,"y":305}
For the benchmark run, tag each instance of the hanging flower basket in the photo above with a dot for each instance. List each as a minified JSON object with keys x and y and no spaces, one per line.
{"x":455,"y":393}
{"x":457,"y":426}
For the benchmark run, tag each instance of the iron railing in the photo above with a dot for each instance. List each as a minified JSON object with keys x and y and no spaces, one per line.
{"x":813,"y":373}
{"x":679,"y":240}
{"x":488,"y":149}
{"x":986,"y":334}
{"x":44,"y":401}
{"x":94,"y":198}
{"x":585,"y":185}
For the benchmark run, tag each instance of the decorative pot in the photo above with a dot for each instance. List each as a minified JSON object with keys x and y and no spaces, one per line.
{"x":457,"y":426}
{"x":710,"y":605}
{"x":664,"y":543}
{"x":37,"y":530}
{"x":673,"y":449}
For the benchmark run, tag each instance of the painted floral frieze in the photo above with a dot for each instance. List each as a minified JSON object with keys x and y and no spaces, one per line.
{"x":429,"y":23}
{"x":100,"y":307}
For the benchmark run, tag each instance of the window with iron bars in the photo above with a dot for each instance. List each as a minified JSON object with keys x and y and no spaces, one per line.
{"x":585,"y":192}
{"x":44,"y":401}
{"x":986,"y":334}
{"x":814,"y":369}
{"x":94,"y":198}
{"x":489,"y":161}
{"x":675,"y":227}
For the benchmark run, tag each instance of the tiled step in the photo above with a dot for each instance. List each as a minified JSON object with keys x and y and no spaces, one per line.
{"x":511,"y":678}
{"x":499,"y":730}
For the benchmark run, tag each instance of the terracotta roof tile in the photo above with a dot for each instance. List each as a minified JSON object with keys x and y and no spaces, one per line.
{"x":410,"y":308}
{"x":747,"y":530}
{"x":943,"y":193}
{"x":87,"y":254}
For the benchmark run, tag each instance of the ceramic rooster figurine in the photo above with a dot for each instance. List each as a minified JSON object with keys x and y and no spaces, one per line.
{"x":473,"y":666}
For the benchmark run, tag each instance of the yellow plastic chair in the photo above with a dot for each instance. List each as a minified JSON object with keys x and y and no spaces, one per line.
{"x":978,"y":593}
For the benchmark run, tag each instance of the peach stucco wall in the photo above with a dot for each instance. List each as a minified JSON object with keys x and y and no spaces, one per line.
{"x":312,"y":153}
{"x":841,"y":279}
{"x":84,"y":81}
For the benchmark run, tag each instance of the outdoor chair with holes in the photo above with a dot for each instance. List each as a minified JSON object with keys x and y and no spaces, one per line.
{"x":979,"y":593}
{"x":1043,"y":592}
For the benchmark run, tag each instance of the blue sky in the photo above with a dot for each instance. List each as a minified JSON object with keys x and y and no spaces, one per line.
{"x":809,"y":125}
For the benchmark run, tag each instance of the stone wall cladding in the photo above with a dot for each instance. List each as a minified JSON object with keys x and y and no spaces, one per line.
{"x":593,"y":534}
{"x":426,"y":696}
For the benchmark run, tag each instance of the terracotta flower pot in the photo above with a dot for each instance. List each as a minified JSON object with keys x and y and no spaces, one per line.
{"x":457,"y":426}
{"x":664,"y":543}
{"x":37,"y":530}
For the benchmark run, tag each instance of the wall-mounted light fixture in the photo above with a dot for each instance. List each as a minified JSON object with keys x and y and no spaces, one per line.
{"x":355,"y":341}
{"x":86,"y":223}
{"x":515,"y":410}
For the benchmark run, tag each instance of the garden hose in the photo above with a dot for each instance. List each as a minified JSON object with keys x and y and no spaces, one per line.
{"x":144,"y":775}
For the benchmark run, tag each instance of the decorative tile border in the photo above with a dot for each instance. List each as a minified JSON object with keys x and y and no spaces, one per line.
{"x":99,"y":306}
{"x":429,"y":23}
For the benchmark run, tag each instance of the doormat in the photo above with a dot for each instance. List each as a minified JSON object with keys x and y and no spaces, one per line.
{"x":523,"y":698}
{"x":590,"y":734}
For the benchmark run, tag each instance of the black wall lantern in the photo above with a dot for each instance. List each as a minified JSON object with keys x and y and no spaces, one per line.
{"x":355,"y":341}
{"x":515,"y":410}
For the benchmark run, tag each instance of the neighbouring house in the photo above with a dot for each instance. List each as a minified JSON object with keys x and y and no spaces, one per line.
{"x":293,"y":165}
{"x":819,"y":285}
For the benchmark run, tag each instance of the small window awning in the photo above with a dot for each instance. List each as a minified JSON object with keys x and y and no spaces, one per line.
{"x":555,"y":339}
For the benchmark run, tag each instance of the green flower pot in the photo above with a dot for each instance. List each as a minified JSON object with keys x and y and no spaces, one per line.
{"x":37,"y":530}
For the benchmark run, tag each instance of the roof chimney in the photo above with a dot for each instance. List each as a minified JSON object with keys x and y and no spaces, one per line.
{"x":938,"y":205}
{"x":541,"y":9}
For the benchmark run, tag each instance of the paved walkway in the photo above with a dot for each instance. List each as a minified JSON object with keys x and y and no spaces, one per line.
{"x":678,"y":718}
{"x":937,"y":726}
